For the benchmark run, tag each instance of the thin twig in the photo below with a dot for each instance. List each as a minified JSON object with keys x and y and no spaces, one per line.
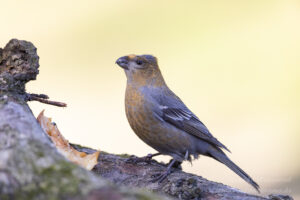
{"x":44,"y":99}
{"x":42,"y":96}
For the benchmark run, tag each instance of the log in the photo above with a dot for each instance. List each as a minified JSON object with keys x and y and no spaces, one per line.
{"x":132,"y":171}
{"x":32,"y":168}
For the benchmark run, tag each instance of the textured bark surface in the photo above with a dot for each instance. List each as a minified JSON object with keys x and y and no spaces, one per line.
{"x":124,"y":170}
{"x":31,"y":167}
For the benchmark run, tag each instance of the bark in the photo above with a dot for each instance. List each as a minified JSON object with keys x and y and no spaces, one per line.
{"x":31,"y":167}
{"x":132,"y":171}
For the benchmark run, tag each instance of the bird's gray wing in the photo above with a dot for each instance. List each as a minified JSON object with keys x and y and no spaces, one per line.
{"x":173,"y":111}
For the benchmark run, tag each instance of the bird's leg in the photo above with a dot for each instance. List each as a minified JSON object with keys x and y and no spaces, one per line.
{"x":147,"y":158}
{"x":177,"y":164}
{"x":164,"y":175}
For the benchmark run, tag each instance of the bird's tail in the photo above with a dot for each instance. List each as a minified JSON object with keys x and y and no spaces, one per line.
{"x":221,"y":157}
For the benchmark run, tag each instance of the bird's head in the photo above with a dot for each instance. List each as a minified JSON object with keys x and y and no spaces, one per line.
{"x":141,"y":69}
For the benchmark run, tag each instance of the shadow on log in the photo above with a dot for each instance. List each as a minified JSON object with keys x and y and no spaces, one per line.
{"x":32,"y":168}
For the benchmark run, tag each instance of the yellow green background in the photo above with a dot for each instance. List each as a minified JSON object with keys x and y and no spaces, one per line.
{"x":236,"y":64}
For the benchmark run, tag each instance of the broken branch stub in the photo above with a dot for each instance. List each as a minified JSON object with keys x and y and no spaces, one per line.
{"x":19,"y":64}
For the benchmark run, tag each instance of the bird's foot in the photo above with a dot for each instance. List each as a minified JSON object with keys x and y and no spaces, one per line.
{"x":173,"y":163}
{"x":161,"y":177}
{"x":147,"y":159}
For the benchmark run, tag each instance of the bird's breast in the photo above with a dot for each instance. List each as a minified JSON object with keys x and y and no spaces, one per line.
{"x":138,"y":113}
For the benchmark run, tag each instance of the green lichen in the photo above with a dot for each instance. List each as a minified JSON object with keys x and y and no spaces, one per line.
{"x":42,"y":177}
{"x":55,"y":181}
{"x":124,"y":155}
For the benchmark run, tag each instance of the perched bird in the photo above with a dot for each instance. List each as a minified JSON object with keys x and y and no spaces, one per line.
{"x":162,"y":120}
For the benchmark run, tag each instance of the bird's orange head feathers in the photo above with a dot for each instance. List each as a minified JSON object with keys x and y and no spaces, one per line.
{"x":141,"y":70}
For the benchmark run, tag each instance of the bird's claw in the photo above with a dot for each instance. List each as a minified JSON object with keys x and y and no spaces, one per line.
{"x":161,"y":177}
{"x":169,"y":170}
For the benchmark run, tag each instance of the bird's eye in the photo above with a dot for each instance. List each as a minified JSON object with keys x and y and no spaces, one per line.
{"x":139,"y":62}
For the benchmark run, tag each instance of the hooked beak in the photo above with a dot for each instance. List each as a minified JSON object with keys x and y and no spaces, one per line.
{"x":123,"y":62}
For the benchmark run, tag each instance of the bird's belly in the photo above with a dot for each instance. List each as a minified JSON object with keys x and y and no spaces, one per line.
{"x":158,"y":134}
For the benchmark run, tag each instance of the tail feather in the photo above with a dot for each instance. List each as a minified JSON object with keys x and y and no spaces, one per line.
{"x":221,"y":157}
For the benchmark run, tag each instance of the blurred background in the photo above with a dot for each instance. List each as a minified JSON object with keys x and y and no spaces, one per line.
{"x":236,"y":64}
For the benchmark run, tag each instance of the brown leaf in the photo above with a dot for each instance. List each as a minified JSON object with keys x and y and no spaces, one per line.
{"x":87,"y":161}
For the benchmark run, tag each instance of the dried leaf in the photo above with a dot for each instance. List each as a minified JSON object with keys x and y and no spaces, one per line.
{"x":87,"y":161}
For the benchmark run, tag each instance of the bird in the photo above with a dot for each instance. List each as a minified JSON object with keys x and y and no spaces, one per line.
{"x":161,"y":119}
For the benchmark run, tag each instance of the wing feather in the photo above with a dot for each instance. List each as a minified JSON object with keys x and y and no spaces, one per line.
{"x":173,"y":111}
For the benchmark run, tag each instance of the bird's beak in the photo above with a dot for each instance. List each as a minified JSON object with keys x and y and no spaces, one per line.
{"x":123,"y":62}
